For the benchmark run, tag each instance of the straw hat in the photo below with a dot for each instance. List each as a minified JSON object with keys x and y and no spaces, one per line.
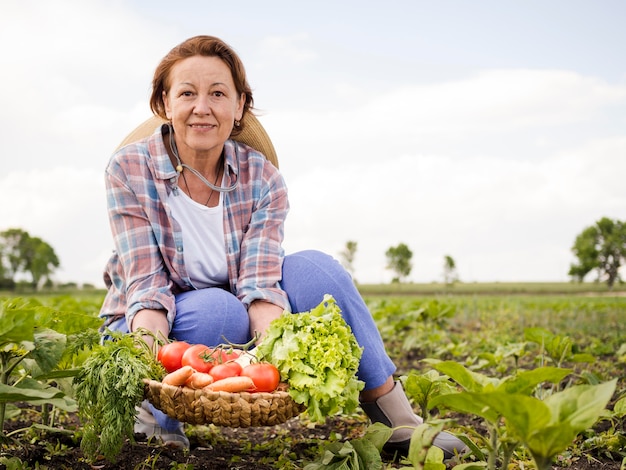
{"x":253,"y":134}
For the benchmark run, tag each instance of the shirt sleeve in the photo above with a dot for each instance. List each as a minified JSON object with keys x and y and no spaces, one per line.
{"x":130,"y":194}
{"x":261,"y":256}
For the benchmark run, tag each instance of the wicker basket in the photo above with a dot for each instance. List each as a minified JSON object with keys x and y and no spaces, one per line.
{"x":236,"y":410}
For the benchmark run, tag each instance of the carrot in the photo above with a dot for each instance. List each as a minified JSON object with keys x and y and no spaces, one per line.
{"x":199,"y":380}
{"x":178,"y":377}
{"x":232,"y":384}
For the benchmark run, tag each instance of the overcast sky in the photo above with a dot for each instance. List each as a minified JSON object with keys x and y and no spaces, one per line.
{"x":493,"y":132}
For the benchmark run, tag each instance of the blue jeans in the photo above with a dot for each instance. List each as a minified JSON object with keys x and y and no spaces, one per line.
{"x":212,"y":316}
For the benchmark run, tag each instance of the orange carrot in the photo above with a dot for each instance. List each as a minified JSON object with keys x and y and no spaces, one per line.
{"x":232,"y":384}
{"x":199,"y":380}
{"x":178,"y":377}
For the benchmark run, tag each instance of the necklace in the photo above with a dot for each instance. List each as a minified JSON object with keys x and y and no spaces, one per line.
{"x":211,"y":186}
{"x":180,"y":166}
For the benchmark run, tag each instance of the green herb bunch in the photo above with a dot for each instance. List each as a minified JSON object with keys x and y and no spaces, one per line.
{"x":108,"y":388}
{"x":318,"y":356}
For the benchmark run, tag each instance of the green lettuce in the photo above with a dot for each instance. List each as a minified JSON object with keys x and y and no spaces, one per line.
{"x":318,"y":356}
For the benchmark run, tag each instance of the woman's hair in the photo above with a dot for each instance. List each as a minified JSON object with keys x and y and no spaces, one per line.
{"x":208,"y":46}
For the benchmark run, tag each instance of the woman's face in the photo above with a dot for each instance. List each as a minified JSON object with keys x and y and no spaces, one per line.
{"x":203,"y":104}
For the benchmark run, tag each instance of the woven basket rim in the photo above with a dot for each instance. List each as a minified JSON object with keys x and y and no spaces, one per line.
{"x":243,"y":409}
{"x":248,"y":396}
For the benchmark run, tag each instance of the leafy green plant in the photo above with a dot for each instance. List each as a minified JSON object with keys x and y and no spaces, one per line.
{"x":558,"y":348}
{"x":501,"y":442}
{"x":545,"y":427}
{"x":14,"y":463}
{"x":356,"y":454}
{"x":317,"y":354}
{"x":548,"y":427}
{"x":423,"y":387}
{"x":31,"y":352}
{"x":499,"y":360}
{"x":109,"y":386}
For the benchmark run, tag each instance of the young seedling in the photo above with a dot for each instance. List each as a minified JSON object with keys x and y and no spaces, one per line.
{"x":500,"y":442}
{"x":545,"y":427}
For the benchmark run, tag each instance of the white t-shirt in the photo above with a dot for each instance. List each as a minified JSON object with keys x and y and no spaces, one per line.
{"x":203,"y":239}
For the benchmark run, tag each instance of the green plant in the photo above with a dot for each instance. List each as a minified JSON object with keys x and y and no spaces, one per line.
{"x":423,"y":387}
{"x":545,"y":427}
{"x":356,"y":454}
{"x":36,"y":357}
{"x":14,"y":463}
{"x":109,"y":386}
{"x":501,"y":442}
{"x":558,"y":348}
{"x":318,"y":356}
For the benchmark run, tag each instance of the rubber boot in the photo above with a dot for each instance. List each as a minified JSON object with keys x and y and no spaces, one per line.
{"x":393,"y":409}
{"x":172,"y":435}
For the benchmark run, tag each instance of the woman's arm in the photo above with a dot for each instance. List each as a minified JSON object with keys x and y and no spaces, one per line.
{"x":139,"y":227}
{"x":259,"y":269}
{"x":154,"y":321}
{"x":261,"y":315}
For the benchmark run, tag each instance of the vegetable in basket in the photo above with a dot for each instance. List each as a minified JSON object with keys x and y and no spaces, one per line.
{"x":318,"y":356}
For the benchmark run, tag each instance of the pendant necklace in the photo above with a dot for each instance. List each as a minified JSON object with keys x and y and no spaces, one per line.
{"x":210,"y":186}
{"x":180,"y":166}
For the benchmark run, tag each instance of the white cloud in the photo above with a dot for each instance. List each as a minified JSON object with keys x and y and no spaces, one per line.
{"x":66,"y":208}
{"x":498,"y":108}
{"x":293,"y":49}
{"x":78,"y":73}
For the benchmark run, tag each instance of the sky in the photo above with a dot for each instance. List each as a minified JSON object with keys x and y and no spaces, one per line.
{"x":492,"y":132}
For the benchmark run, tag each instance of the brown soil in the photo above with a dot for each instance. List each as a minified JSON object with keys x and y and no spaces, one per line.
{"x":294,"y":444}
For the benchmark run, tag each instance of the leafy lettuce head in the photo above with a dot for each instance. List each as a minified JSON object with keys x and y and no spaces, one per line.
{"x":318,"y":356}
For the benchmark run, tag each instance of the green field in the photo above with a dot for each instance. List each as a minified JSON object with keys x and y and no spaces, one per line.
{"x":490,"y":330}
{"x":494,"y":288}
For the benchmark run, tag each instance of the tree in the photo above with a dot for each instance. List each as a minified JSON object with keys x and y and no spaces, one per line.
{"x":450,"y":275}
{"x":41,"y":260}
{"x":12,"y":244}
{"x":348,"y":254}
{"x":601,"y":247}
{"x":22,"y":254}
{"x":399,"y":261}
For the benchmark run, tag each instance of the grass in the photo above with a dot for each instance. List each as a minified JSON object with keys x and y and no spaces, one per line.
{"x":491,"y":288}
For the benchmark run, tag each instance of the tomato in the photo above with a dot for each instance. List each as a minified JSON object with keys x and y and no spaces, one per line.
{"x":229,"y":355}
{"x":203,"y":358}
{"x":170,"y":355}
{"x":227,"y":369}
{"x":264,"y":375}
{"x":199,"y":357}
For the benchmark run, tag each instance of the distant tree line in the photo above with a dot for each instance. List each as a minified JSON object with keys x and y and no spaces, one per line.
{"x":399,"y":261}
{"x":24,"y":258}
{"x":600,"y":249}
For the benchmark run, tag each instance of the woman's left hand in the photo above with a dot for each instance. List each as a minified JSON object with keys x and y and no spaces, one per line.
{"x":261,"y":314}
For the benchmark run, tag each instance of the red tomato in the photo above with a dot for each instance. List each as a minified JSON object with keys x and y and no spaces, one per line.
{"x":202,"y":358}
{"x":227,"y":369}
{"x":199,"y":357}
{"x":229,"y":356}
{"x":170,"y":355}
{"x":264,"y":375}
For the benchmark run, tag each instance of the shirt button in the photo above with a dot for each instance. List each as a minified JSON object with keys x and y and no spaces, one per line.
{"x":179,"y":249}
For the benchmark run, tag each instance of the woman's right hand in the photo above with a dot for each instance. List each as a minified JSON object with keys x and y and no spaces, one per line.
{"x":154,"y":321}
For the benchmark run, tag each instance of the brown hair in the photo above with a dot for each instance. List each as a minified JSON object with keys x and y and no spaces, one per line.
{"x":209,"y":46}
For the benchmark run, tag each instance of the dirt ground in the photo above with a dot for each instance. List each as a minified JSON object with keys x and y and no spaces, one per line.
{"x":217,"y":448}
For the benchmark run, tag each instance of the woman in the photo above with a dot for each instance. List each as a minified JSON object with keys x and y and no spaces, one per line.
{"x":197,"y":219}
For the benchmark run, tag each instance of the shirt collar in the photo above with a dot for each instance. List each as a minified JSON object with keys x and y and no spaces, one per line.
{"x":163,"y":165}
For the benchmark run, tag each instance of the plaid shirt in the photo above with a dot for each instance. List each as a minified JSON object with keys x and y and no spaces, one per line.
{"x":147,"y":268}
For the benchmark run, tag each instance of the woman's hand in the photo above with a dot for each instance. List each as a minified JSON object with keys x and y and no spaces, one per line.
{"x":154,"y":321}
{"x":261,"y":314}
